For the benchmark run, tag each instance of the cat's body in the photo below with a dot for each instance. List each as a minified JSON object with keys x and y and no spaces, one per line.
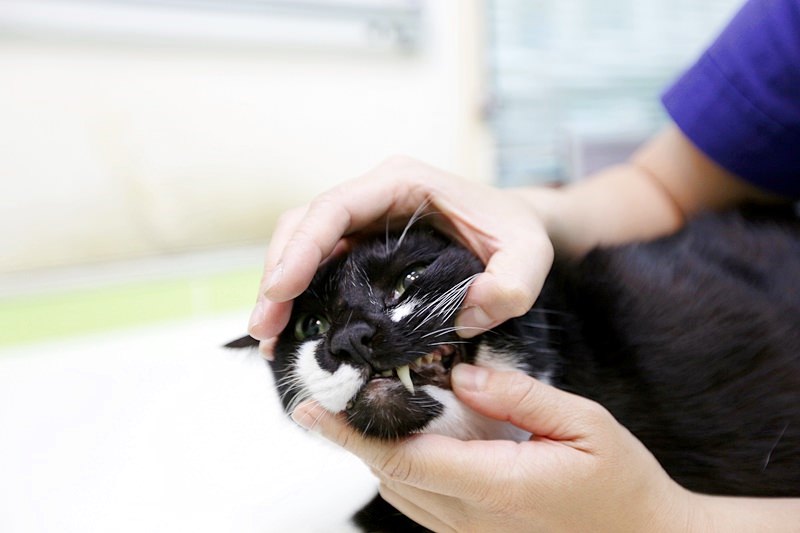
{"x":692,"y":342}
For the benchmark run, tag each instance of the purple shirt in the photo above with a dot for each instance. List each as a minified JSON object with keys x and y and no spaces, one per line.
{"x":740,"y":103}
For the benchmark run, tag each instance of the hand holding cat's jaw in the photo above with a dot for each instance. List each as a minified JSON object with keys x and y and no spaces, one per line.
{"x":582,"y":471}
{"x":500,"y":227}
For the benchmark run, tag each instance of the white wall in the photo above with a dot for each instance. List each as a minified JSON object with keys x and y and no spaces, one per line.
{"x":119,"y":150}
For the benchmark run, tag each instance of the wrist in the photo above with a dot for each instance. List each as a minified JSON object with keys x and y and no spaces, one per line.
{"x":672,"y":509}
{"x":557,"y":209}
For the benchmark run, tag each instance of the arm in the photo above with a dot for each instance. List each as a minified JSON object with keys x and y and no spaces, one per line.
{"x":666,"y":182}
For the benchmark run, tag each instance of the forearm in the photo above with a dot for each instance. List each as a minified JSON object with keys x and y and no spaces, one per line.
{"x":664,"y":183}
{"x":620,"y":204}
{"x":734,"y":514}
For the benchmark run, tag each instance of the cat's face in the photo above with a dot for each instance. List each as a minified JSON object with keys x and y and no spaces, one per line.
{"x":373,"y":336}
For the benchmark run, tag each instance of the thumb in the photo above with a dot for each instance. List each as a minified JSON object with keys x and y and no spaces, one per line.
{"x":507,"y":288}
{"x":526,"y":402}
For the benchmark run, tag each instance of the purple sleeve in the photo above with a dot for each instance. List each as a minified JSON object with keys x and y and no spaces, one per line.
{"x":740,"y":103}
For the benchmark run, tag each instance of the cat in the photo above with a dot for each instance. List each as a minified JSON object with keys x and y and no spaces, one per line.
{"x":691,"y":341}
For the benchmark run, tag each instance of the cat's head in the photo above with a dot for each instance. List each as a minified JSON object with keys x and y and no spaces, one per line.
{"x":373,"y":336}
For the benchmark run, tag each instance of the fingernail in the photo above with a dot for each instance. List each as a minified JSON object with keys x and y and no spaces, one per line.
{"x":475,"y":320}
{"x":468,"y":377}
{"x":274,"y":277}
{"x":257,"y":316}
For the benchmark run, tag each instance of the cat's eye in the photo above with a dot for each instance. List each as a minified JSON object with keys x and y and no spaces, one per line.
{"x":310,"y":325}
{"x":407,"y":279}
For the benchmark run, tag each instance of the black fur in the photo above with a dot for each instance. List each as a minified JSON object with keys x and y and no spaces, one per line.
{"x":692,"y":342}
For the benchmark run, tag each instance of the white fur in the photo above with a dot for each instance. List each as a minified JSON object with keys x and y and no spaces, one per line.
{"x":505,"y":361}
{"x":331,"y":390}
{"x":403,"y":310}
{"x":459,"y":421}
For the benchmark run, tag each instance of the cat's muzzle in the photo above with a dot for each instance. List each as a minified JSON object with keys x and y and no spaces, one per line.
{"x":430,"y":369}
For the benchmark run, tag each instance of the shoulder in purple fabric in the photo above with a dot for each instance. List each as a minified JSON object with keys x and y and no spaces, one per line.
{"x":740,"y":103}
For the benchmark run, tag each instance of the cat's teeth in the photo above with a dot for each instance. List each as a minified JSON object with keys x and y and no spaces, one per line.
{"x":428,"y":358}
{"x":386,"y":373}
{"x":404,"y":375}
{"x":418,"y":362}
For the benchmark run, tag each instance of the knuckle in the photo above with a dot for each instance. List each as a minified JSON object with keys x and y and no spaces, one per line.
{"x":397,"y":160}
{"x":463,"y":521}
{"x":290,"y":216}
{"x":396,"y":466}
{"x":518,"y":297}
{"x":594,"y":414}
{"x":323,"y":202}
{"x":524,"y":388}
{"x":306,"y":240}
{"x":328,"y":207}
{"x":345,"y":438}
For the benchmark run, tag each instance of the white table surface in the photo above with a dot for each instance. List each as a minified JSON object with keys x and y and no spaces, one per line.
{"x":158,"y":429}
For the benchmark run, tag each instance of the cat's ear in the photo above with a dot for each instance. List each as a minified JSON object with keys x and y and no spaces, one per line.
{"x":243,"y":342}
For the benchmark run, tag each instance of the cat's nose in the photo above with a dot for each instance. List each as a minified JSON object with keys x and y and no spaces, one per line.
{"x":353,"y":343}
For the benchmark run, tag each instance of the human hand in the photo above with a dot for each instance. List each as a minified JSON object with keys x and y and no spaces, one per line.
{"x":582,"y":471}
{"x":503,"y":230}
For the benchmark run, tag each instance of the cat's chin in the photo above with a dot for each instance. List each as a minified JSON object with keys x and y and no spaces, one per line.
{"x":385,"y":409}
{"x":393,"y":404}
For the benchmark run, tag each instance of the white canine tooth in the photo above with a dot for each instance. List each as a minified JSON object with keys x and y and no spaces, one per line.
{"x":418,"y":362}
{"x":404,"y":375}
{"x":429,"y":358}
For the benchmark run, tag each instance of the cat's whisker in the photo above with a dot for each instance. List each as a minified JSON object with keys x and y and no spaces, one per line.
{"x":445,"y":305}
{"x":418,"y":215}
{"x":386,"y":242}
{"x":552,"y":327}
{"x":453,"y":329}
{"x":367,"y":284}
{"x":299,"y":398}
{"x":365,"y":431}
{"x":447,"y":343}
{"x":552,"y":311}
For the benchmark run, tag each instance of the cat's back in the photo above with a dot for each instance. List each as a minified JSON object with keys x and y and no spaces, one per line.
{"x":693,"y":342}
{"x":719,"y":269}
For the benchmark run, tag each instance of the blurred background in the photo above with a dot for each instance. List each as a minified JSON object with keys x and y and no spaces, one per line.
{"x":147,"y":148}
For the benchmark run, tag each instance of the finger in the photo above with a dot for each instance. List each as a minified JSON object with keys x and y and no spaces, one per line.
{"x":285,"y":228}
{"x":526,"y":402}
{"x":267,"y":348}
{"x":431,"y":462}
{"x":508,"y":287}
{"x":411,"y":509}
{"x":268,"y":319}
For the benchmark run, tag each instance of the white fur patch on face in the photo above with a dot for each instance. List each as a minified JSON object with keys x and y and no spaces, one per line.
{"x":331,"y":390}
{"x":459,"y":421}
{"x":403,"y":310}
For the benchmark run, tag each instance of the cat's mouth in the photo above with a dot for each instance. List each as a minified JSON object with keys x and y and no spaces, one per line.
{"x":430,"y":369}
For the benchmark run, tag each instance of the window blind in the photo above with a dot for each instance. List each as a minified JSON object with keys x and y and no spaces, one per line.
{"x":383,"y":25}
{"x":572,"y":72}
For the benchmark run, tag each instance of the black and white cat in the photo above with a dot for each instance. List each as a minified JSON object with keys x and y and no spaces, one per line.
{"x":691,"y":341}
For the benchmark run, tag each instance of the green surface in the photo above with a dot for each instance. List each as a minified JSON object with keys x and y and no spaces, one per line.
{"x":45,"y":317}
